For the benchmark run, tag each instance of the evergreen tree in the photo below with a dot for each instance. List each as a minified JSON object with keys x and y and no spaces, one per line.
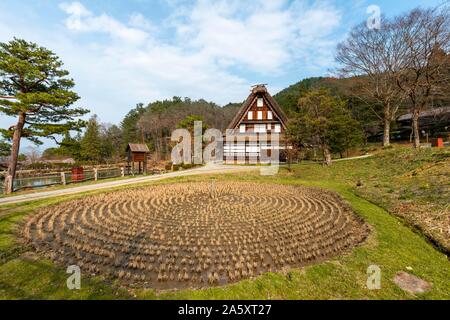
{"x":91,"y":144}
{"x":345,"y":132}
{"x":111,"y":137}
{"x":37,"y":91}
{"x":5,"y":148}
{"x":70,"y":146}
{"x":288,"y":97}
{"x":324,"y":121}
{"x":189,"y":121}
{"x":129,"y":126}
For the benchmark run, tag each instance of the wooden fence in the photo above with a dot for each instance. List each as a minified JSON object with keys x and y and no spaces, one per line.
{"x":35,"y":179}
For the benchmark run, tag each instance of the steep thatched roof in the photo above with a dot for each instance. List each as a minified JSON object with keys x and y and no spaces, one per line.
{"x":258,"y":91}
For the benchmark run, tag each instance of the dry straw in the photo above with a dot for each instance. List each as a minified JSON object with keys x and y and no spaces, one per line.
{"x":178,"y":235}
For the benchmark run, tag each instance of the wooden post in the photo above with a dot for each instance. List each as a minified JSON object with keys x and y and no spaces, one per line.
{"x":122,"y":172}
{"x":63,"y":178}
{"x":145,"y":164}
{"x":8,"y":184}
{"x":95,"y":174}
{"x":213,"y":189}
{"x":289,"y":159}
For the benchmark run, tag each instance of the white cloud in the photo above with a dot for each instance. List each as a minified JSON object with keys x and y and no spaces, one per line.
{"x":82,"y":20}
{"x":264,"y":36}
{"x":260,"y":36}
{"x":75,"y":9}
{"x":216,"y":51}
{"x":137,"y":20}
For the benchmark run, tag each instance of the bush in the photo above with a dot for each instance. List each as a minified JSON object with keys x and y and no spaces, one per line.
{"x":365,"y":150}
{"x":188,"y":165}
{"x":168,"y":166}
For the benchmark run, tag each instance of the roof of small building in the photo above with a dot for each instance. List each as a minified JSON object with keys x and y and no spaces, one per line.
{"x":138,"y":147}
{"x":435,"y":112}
{"x":67,"y":160}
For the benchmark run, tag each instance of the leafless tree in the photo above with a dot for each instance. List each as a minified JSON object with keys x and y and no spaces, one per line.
{"x":33,"y":154}
{"x":373,"y":57}
{"x":162,"y":117}
{"x":424,"y":72}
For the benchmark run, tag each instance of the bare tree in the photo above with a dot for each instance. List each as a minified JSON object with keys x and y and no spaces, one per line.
{"x":33,"y":154}
{"x":373,"y":57}
{"x":161,"y":117}
{"x":158,"y":123}
{"x":424,"y":73}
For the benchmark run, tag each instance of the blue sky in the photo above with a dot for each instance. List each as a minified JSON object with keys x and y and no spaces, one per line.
{"x":124,"y":52}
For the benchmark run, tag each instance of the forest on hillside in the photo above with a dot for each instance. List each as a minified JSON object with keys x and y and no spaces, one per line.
{"x":151,"y":124}
{"x":406,"y":71}
{"x":154,"y":122}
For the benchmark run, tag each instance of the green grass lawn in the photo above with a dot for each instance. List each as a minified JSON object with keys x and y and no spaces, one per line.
{"x":414,"y":185}
{"x":391,"y":245}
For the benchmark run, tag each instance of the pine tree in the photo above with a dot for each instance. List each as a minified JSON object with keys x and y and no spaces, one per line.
{"x":91,"y":144}
{"x":129,"y":126}
{"x":37,"y":91}
{"x":4,"y":148}
{"x":324,"y":121}
{"x":70,"y":146}
{"x":112,"y":141}
{"x":189,"y":121}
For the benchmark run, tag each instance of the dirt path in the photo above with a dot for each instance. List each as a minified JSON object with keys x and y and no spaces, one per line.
{"x":209,"y":169}
{"x":354,"y":158}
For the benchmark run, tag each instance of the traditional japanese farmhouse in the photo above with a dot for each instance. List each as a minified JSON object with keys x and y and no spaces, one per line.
{"x":253,"y":127}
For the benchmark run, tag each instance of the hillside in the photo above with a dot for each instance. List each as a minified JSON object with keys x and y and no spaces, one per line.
{"x":342,"y":88}
{"x":288,"y":97}
{"x":413,"y":185}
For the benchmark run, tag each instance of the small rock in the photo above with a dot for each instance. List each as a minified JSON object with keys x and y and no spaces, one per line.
{"x":410,"y":283}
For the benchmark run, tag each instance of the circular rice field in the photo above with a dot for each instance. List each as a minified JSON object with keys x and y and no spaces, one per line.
{"x":195,"y":234}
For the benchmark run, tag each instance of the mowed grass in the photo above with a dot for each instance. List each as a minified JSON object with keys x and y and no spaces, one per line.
{"x":391,"y":245}
{"x":414,"y":185}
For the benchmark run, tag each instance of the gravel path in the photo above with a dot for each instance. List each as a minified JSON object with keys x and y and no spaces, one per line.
{"x":209,"y":169}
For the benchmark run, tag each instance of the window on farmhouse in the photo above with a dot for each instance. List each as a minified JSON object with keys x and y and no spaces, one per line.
{"x":277,"y":128}
{"x":260,"y":128}
{"x":260,"y":102}
{"x":250,"y":115}
{"x":259,"y":115}
{"x":242,"y":128}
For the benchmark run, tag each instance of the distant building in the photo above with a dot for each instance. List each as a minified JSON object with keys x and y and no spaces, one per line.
{"x":63,"y":161}
{"x":432,"y":123}
{"x":137,"y":153}
{"x":259,"y":116}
